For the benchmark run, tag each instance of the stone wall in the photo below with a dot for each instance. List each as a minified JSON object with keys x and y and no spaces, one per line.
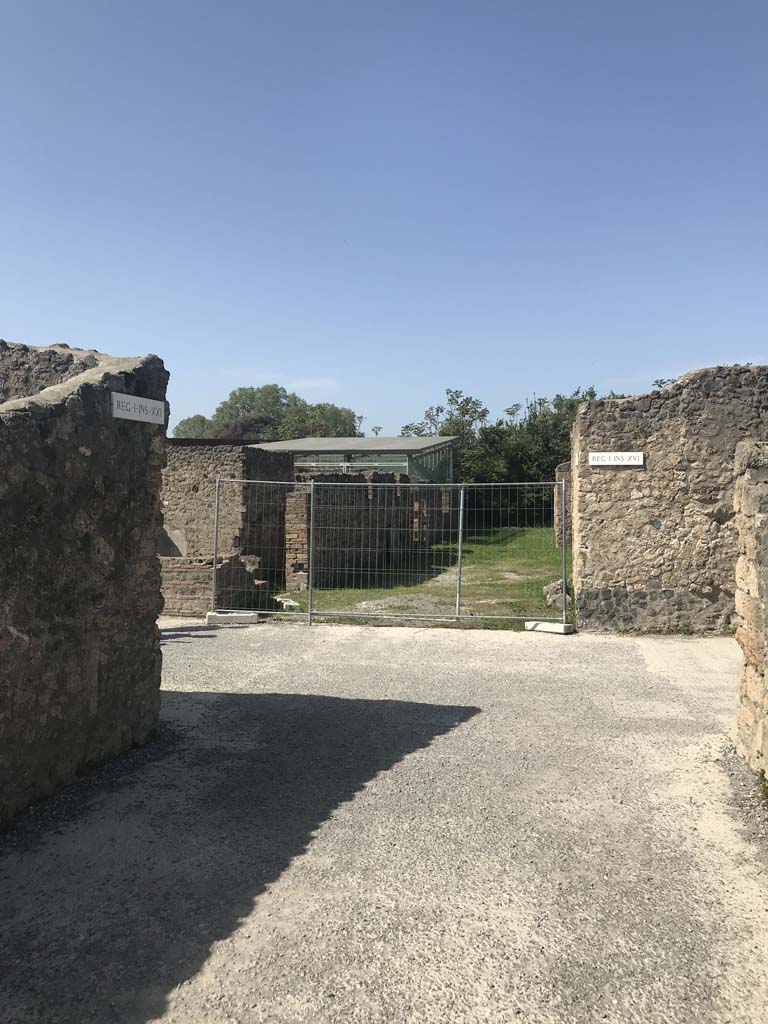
{"x":188,"y":583}
{"x":563,"y":474}
{"x":655,"y":546}
{"x":361,"y":532}
{"x":363,"y":535}
{"x":751,"y":507}
{"x":189,"y":490}
{"x":26,"y":371}
{"x":79,"y":575}
{"x":251,"y":523}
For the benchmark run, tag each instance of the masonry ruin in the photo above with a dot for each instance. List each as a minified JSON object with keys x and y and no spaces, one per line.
{"x":79,"y":576}
{"x":361,"y":533}
{"x":247,"y":542}
{"x":655,"y":544}
{"x":751,"y":508}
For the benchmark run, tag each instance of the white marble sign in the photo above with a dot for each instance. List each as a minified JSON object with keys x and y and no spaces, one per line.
{"x":616,"y":458}
{"x":129,"y":407}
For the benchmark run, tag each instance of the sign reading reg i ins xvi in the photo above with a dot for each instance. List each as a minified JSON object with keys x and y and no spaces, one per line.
{"x":129,"y":407}
{"x":616,"y":458}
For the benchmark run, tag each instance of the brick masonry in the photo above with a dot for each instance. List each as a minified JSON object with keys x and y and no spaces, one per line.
{"x":79,"y":575}
{"x":655,"y":546}
{"x":751,"y":508}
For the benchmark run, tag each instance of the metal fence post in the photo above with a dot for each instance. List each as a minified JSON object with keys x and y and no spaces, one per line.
{"x":458,"y":560}
{"x":215,"y":544}
{"x":564,"y":549}
{"x":311,"y":555}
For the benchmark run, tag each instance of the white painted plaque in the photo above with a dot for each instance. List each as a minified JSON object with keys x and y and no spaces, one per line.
{"x":129,"y":407}
{"x":616,"y":458}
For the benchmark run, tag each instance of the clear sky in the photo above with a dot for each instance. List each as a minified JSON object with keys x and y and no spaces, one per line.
{"x":372,"y":200}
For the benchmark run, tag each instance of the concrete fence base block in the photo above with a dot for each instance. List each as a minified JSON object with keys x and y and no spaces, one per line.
{"x":228,"y":618}
{"x":563,"y":628}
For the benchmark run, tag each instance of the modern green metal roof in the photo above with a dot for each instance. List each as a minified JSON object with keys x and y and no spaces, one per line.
{"x":313,"y":445}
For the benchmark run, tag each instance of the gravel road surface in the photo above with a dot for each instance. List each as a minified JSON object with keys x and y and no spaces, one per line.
{"x":355,"y":824}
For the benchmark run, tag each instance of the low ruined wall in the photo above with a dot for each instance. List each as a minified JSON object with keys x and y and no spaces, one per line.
{"x":563,"y":475}
{"x":79,"y":575}
{"x":751,"y":507}
{"x":188,"y":584}
{"x":655,"y":546}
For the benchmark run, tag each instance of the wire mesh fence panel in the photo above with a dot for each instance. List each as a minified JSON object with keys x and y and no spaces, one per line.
{"x":382,"y":549}
{"x":262,"y":545}
{"x":512,"y":567}
{"x":397,"y":550}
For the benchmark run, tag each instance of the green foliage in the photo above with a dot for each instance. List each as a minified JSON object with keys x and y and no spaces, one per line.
{"x":461,"y":417}
{"x":536,"y":438}
{"x":661,"y":382}
{"x":526,"y":444}
{"x":193,"y":426}
{"x":270,"y":413}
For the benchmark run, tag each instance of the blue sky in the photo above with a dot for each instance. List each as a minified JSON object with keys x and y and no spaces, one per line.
{"x":372,"y":201}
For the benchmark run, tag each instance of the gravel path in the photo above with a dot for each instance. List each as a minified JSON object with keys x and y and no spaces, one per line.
{"x":359,"y":824}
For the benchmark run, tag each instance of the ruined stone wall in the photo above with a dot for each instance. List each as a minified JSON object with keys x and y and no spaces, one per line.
{"x":297,"y":538}
{"x":26,"y":371}
{"x":751,"y":508}
{"x":655,"y":546}
{"x":189,"y":496}
{"x":188,"y":584}
{"x":79,"y":575}
{"x":563,"y":474}
{"x":362,"y":534}
{"x":189,"y":491}
{"x":251,"y":519}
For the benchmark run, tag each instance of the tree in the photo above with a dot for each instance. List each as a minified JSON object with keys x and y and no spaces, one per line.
{"x":193,"y":426}
{"x":376,"y":431}
{"x":267,"y":404}
{"x":321,"y":420}
{"x":461,"y":417}
{"x":526,"y":444}
{"x":538,"y":435}
{"x":270,"y":413}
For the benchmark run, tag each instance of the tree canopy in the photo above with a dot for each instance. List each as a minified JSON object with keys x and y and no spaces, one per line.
{"x":270,"y":413}
{"x":527,"y":443}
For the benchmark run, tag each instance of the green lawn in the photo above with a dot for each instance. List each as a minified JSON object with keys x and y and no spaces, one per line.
{"x":503,"y":573}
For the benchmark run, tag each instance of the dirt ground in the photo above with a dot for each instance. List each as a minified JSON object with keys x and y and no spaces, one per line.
{"x":359,"y":824}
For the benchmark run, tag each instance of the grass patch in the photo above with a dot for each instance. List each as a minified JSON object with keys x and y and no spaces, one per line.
{"x":504,"y":573}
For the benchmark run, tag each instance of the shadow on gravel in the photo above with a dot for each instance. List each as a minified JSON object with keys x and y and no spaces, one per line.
{"x":186,"y":634}
{"x":113,"y":892}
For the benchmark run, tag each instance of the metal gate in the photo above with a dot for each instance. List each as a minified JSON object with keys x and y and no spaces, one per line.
{"x":379,"y":550}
